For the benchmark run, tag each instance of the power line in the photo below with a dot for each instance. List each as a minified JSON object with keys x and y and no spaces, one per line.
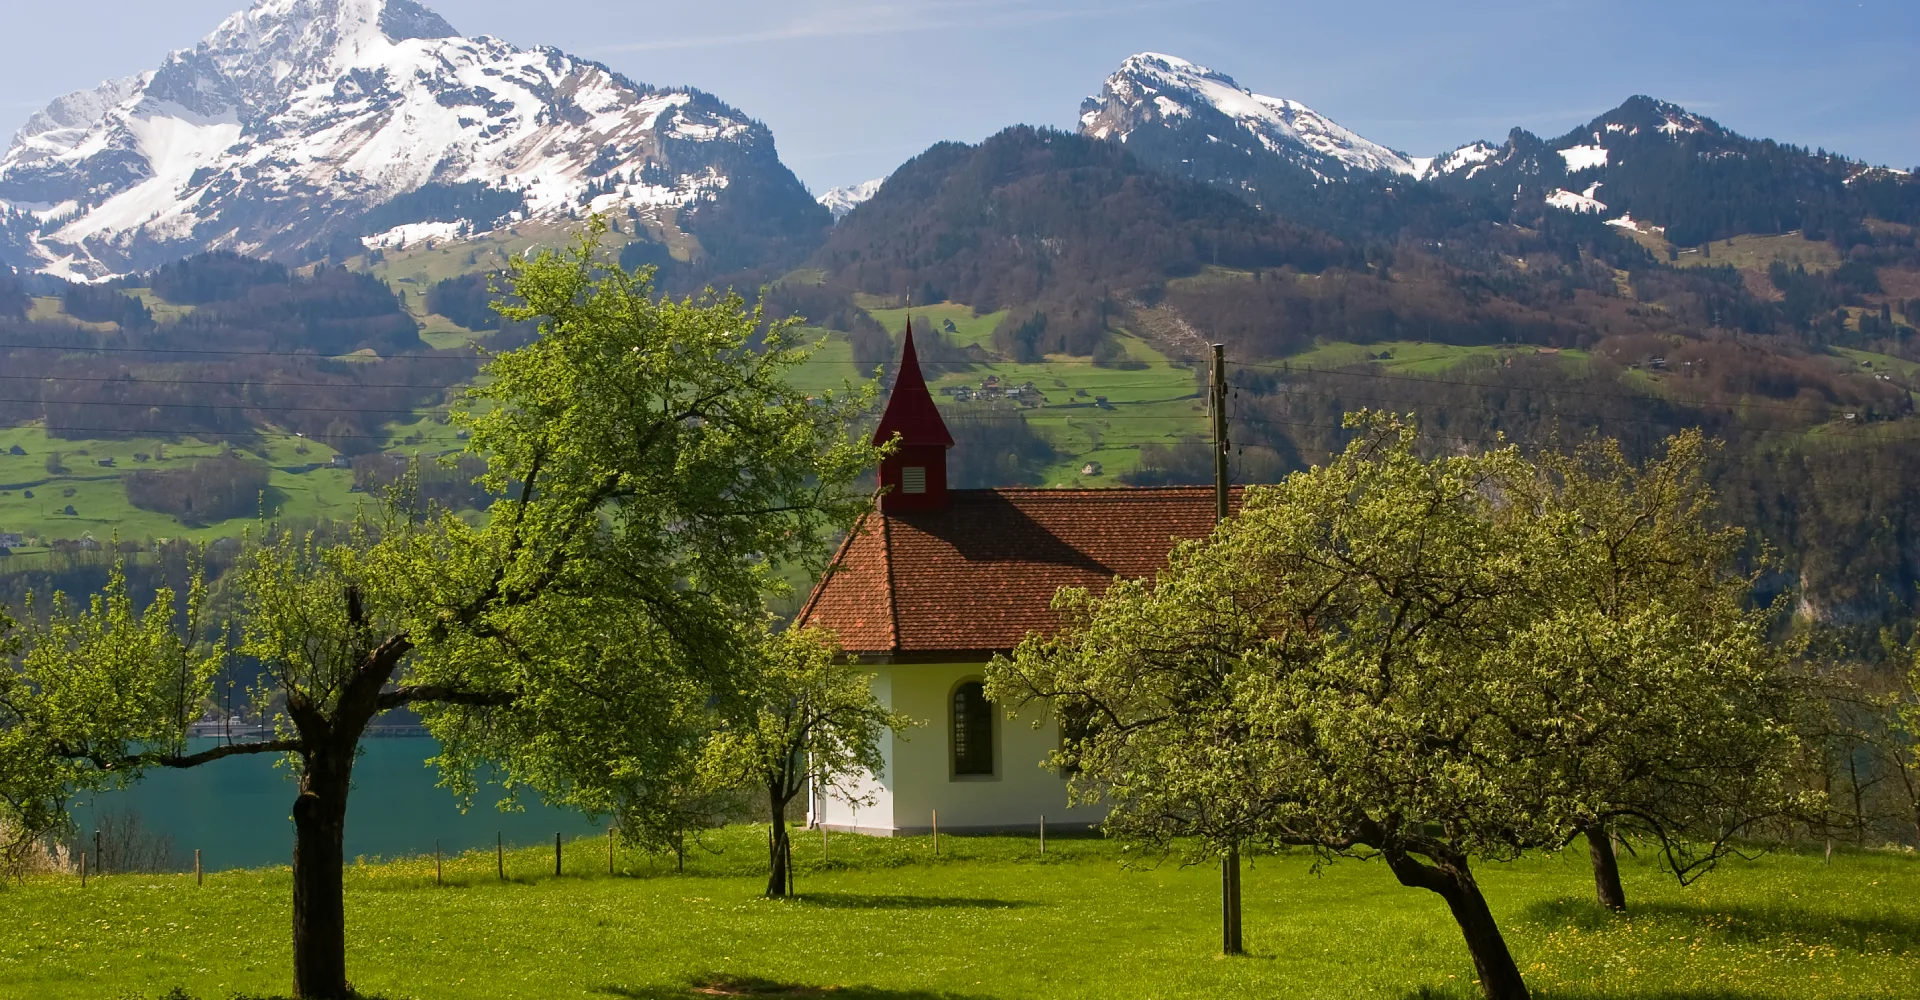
{"x":223,"y":406}
{"x":243,"y":354}
{"x":1597,"y":418}
{"x":232,"y":382}
{"x":1643,"y":398}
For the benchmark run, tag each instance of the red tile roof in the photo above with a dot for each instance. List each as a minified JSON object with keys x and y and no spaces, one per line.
{"x":978,"y":575}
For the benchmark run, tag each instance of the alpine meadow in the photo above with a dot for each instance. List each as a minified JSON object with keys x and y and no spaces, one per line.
{"x":476,"y":524}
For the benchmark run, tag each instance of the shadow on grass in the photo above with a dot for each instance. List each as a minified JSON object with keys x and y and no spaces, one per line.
{"x":707,"y":986}
{"x":864,"y":901}
{"x":179,"y":993}
{"x":1473,"y":993}
{"x":1856,"y":932}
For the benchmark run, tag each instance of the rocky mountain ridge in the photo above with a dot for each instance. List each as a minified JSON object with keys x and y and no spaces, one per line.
{"x":295,"y":119}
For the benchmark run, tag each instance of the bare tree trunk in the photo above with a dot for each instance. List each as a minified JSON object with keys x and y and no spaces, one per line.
{"x":777,"y":848}
{"x":1449,"y":876}
{"x":319,"y":912}
{"x":1607,"y":889}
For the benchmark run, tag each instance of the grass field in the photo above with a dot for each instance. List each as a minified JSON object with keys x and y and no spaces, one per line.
{"x":990,"y":918}
{"x":1750,"y":252}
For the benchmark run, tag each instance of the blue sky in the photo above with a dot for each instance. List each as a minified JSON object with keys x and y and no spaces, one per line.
{"x":853,"y":87}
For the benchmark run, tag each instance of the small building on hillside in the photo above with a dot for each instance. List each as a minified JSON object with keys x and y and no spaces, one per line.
{"x":928,"y":587}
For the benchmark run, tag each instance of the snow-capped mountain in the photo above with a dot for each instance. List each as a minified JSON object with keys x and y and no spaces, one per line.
{"x":298,"y":125}
{"x":1152,"y":98}
{"x":1653,"y":164}
{"x":842,"y":200}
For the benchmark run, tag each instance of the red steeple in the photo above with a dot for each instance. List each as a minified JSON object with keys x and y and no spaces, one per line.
{"x":915,"y":475}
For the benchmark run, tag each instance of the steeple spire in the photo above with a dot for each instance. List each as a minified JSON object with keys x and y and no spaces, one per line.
{"x":915,"y":475}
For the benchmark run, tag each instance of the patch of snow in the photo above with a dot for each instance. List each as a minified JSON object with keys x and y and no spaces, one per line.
{"x":417,"y":232}
{"x":1473,"y":154}
{"x":1625,"y":221}
{"x":1563,"y":199}
{"x":1584,"y":158}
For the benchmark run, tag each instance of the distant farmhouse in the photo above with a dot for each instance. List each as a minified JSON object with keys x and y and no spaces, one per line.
{"x":932,"y":584}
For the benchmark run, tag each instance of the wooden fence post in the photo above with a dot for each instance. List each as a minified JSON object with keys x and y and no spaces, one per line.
{"x":100,"y":860}
{"x":83,"y":869}
{"x":1043,"y":833}
{"x":556,"y":854}
{"x":199,"y":874}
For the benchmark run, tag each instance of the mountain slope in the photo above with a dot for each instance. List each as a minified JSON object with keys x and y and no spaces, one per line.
{"x":284,"y":128}
{"x":1656,"y":164}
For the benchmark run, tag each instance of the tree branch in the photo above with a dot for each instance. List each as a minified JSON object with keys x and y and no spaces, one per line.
{"x":408,"y":694}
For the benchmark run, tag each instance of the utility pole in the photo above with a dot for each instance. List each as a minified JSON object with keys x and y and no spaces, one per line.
{"x":1218,"y":404}
{"x":1230,"y":942}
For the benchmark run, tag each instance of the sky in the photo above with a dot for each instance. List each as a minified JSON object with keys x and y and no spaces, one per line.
{"x":852,"y":88}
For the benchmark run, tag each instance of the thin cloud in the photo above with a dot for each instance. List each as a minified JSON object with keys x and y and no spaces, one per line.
{"x":895,"y":19}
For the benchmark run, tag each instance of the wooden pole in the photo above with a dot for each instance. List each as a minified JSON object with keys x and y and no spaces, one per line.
{"x":100,"y":860}
{"x":1230,"y":861}
{"x":199,"y":874}
{"x":556,"y":854}
{"x":1043,"y":833}
{"x":500,"y":855}
{"x":1220,"y":442}
{"x":83,"y":869}
{"x":936,"y":833}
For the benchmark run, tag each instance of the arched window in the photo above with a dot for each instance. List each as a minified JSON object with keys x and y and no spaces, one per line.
{"x":972,"y":730}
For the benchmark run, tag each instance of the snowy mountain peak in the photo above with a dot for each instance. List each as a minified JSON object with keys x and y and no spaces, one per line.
{"x":842,"y":200}
{"x":1154,"y":90}
{"x":283,"y":130}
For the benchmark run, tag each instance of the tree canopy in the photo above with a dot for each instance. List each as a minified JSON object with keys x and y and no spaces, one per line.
{"x":1378,"y":658}
{"x":655,"y":473}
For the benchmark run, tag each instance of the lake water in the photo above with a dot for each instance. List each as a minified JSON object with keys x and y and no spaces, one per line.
{"x":235,"y":811}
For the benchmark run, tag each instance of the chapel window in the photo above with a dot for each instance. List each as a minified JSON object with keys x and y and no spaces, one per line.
{"x":972,"y":730}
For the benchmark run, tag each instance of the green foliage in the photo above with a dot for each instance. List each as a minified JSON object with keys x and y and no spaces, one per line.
{"x":803,"y":709}
{"x":1677,"y":712}
{"x":1430,"y":662}
{"x":658,"y":473}
{"x":802,"y":712}
{"x":92,"y":696}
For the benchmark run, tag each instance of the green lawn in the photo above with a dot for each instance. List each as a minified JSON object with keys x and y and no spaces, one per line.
{"x":885,"y":920}
{"x":968,"y":328}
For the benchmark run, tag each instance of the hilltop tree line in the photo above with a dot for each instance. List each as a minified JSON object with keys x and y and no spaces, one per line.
{"x":258,"y":346}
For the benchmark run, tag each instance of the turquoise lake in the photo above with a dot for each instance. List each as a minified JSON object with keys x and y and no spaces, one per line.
{"x":235,"y":811}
